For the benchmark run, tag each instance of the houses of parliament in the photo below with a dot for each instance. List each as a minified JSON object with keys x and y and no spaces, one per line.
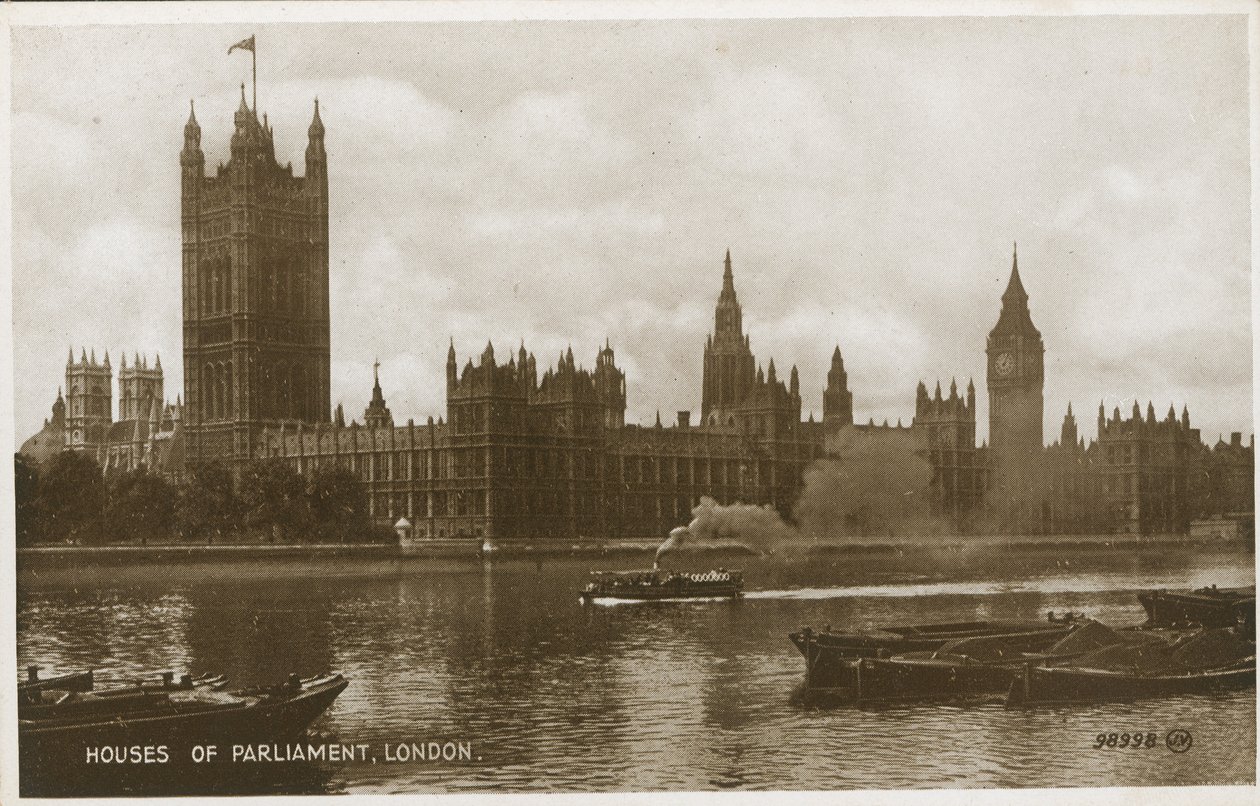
{"x":529,"y":449}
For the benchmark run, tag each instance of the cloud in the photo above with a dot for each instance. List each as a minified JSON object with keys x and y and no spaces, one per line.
{"x":567,"y":182}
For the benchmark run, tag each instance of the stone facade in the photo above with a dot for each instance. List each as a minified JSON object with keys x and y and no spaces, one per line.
{"x":255,"y":289}
{"x":529,"y":455}
{"x":146,"y":434}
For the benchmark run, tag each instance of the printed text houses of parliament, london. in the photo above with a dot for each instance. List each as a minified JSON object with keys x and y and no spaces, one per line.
{"x":530,"y":451}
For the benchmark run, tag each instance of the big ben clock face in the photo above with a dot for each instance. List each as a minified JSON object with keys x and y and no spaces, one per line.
{"x":1005,"y":364}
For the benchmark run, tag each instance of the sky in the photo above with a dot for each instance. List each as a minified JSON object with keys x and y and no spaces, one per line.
{"x":568,"y":182}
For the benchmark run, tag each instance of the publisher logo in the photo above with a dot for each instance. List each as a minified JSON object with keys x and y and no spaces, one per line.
{"x":1178,"y":740}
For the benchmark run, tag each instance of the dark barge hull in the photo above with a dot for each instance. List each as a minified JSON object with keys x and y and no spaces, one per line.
{"x":71,"y":681}
{"x":52,"y":749}
{"x":830,"y":657}
{"x":873,"y":680}
{"x":1208,"y":607}
{"x":1041,"y":685}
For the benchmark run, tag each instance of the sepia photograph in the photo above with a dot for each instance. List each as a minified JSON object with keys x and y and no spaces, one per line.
{"x":581,"y":399}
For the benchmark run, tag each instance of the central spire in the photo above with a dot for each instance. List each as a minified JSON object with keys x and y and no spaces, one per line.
{"x":728,"y":280}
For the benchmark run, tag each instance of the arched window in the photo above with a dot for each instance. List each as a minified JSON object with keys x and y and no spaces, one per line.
{"x":225,"y":284}
{"x":207,"y":294}
{"x":228,"y":402}
{"x":207,"y":392}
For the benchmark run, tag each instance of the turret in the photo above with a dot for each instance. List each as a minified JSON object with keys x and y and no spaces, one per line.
{"x":316,"y":158}
{"x":794,"y":383}
{"x":59,"y":411}
{"x":1068,"y":435}
{"x":451,"y":368}
{"x":837,"y":400}
{"x":192,"y":159}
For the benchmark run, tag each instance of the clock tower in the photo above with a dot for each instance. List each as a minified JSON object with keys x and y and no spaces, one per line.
{"x":1016,"y":379}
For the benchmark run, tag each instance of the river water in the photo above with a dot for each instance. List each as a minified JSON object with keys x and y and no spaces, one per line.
{"x":553,"y":696}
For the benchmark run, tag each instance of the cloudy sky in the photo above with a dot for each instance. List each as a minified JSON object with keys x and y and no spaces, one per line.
{"x":567,"y":182}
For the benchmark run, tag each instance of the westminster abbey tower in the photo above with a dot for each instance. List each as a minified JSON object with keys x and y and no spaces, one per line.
{"x":255,"y":289}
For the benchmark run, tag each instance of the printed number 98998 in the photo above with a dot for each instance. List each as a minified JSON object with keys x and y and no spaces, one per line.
{"x":1122,"y":740}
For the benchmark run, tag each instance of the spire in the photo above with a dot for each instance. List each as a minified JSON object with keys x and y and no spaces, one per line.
{"x":953,"y":388}
{"x":243,"y":113}
{"x":1015,"y":287}
{"x":450,"y":353}
{"x":192,"y":129}
{"x":937,"y":395}
{"x":191,"y":157}
{"x":1015,"y":318}
{"x":70,"y":357}
{"x":315,"y":147}
{"x":157,"y":364}
{"x":770,"y":374}
{"x":106,"y":358}
{"x":317,"y":125}
{"x":123,"y":365}
{"x":794,"y":384}
{"x":728,"y":280}
{"x":836,"y":358}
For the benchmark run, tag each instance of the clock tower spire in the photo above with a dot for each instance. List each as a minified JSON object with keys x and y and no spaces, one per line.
{"x":1016,"y":378}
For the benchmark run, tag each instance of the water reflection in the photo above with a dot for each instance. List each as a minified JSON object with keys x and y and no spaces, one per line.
{"x":556,"y":696}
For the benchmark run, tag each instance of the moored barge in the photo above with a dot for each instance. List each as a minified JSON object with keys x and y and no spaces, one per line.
{"x":1207,"y":607}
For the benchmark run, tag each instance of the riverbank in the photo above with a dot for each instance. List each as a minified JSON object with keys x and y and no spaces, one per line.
{"x":73,"y":565}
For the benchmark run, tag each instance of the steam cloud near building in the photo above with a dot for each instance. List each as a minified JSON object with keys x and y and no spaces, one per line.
{"x":871,"y":491}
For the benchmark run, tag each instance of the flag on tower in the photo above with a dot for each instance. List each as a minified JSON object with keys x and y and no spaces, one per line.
{"x":244,"y":44}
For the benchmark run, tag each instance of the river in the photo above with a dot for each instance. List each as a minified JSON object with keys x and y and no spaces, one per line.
{"x":549,"y":695}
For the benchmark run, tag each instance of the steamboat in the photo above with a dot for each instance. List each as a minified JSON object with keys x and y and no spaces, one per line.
{"x":657,"y":585}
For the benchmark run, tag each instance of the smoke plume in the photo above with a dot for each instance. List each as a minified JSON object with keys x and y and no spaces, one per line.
{"x":755,"y":527}
{"x":875,"y":484}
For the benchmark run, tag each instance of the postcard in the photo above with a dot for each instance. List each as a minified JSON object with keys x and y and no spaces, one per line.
{"x":620,"y":402}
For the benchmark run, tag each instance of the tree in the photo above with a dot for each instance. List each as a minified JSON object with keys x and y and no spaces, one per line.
{"x":207,"y":505}
{"x":71,"y":497}
{"x":274,"y":498}
{"x":141,"y":506}
{"x":26,"y":500}
{"x":338,"y":504}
